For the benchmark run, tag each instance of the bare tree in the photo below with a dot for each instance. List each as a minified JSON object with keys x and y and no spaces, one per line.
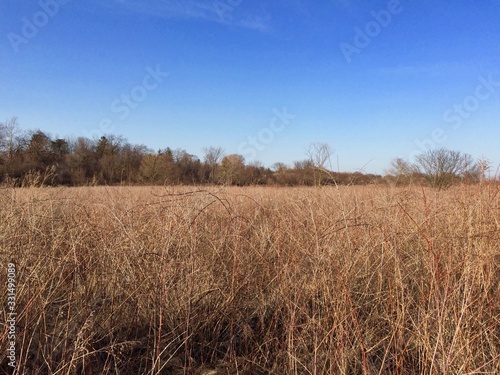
{"x":213,"y":156}
{"x":484,"y":166}
{"x":401,"y":170}
{"x":319,"y":154}
{"x":443,"y":167}
{"x":279,"y":167}
{"x":232,"y":167}
{"x":8,"y":132}
{"x":400,"y":167}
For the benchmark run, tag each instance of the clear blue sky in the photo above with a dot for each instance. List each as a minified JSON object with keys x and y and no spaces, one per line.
{"x":370,"y":78}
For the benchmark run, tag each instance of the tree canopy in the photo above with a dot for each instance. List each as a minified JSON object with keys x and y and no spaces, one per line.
{"x":35,"y":158}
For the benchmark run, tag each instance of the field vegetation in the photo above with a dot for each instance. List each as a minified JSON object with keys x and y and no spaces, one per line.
{"x":254,"y":280}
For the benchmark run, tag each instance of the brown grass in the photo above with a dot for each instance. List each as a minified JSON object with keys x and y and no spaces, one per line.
{"x":354,"y":280}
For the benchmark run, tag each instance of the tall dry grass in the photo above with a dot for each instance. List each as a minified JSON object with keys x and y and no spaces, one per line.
{"x":354,"y":280}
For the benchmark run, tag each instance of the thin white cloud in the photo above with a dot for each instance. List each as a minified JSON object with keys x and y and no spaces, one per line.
{"x":255,"y":23}
{"x":212,"y":11}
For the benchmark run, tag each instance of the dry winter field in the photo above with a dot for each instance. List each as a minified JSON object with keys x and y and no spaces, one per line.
{"x":180,"y":280}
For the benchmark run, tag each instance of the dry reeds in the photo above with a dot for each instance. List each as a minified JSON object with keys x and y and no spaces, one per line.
{"x":349,"y":280}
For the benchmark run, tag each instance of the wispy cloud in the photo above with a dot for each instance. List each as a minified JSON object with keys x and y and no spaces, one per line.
{"x":255,"y":23}
{"x":195,"y":9}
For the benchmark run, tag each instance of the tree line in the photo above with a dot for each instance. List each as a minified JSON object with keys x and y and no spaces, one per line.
{"x":34,"y":158}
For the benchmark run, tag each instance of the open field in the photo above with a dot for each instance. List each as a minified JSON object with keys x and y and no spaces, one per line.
{"x":354,"y":280}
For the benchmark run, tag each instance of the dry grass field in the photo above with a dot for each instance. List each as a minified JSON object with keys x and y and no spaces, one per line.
{"x":181,"y":280}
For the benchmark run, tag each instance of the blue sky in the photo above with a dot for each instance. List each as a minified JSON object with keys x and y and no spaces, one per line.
{"x":373,"y":79}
